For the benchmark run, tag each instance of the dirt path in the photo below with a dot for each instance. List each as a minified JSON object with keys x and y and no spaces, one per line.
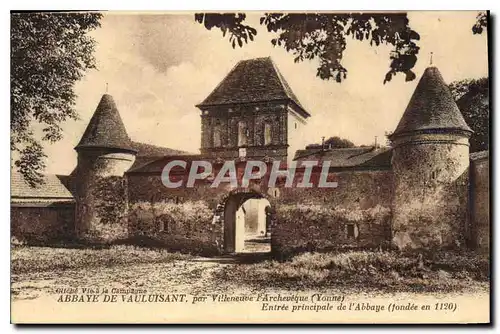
{"x":177,"y":276}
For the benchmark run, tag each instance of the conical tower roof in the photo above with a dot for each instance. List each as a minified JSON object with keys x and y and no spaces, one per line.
{"x":253,"y":80}
{"x":431,"y":107}
{"x":106,"y":128}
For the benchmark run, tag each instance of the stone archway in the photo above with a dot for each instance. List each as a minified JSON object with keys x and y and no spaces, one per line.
{"x":235,"y":229}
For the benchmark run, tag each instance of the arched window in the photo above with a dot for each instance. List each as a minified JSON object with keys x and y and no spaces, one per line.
{"x":268,"y":139}
{"x":217,"y":134}
{"x":242,"y":134}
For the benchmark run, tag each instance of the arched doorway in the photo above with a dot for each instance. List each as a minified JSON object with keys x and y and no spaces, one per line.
{"x":247,"y":223}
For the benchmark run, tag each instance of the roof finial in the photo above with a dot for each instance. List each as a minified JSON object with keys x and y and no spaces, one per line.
{"x":431,"y":59}
{"x":106,"y":87}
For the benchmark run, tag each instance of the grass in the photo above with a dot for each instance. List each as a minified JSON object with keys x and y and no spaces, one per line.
{"x":384,"y":271}
{"x":25,"y":259}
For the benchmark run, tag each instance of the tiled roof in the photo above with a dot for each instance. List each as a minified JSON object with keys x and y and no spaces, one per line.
{"x":106,"y":128}
{"x":52,"y":188}
{"x":431,"y":107}
{"x":148,"y":150}
{"x":252,"y":80}
{"x":348,"y":157}
{"x":479,"y":155}
{"x":147,"y":153}
{"x":156,"y":165}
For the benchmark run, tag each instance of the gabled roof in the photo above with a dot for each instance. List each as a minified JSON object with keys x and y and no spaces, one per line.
{"x":106,"y":128}
{"x":51,"y":189}
{"x":348,"y":157}
{"x":431,"y":107}
{"x":250,"y":81}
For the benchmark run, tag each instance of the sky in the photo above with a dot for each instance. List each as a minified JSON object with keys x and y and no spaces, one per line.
{"x":158,"y":67}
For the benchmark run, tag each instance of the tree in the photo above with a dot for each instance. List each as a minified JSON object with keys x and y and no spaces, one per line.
{"x":333,"y":142}
{"x":481,"y":23}
{"x":323,"y":36}
{"x":472,"y":96}
{"x":50,"y":52}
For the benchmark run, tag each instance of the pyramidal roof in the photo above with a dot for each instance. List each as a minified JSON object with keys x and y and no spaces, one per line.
{"x":253,"y":80}
{"x":431,"y":107}
{"x":106,"y":128}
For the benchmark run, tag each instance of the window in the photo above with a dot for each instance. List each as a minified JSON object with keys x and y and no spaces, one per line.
{"x":161,"y":226}
{"x":295,"y":125}
{"x":352,"y":231}
{"x":217,"y":134}
{"x":267,"y":134}
{"x":242,"y":134}
{"x":242,"y":152}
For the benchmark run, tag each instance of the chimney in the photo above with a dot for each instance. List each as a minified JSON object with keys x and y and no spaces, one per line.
{"x":322,"y":143}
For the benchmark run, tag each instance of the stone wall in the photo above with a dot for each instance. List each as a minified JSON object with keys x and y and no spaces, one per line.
{"x":480,"y":204}
{"x":187,"y":227}
{"x":323,"y":218}
{"x":34,"y":224}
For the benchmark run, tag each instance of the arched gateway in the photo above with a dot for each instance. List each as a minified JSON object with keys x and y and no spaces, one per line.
{"x":246,"y":216}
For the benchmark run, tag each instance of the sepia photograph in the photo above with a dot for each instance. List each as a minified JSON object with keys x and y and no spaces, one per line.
{"x":250,"y":167}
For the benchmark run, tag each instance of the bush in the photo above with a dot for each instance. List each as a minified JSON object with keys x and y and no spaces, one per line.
{"x":381,"y":270}
{"x":185,"y":227}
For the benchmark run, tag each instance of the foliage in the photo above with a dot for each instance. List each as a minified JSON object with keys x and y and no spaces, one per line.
{"x":379,"y":270}
{"x":50,"y":52}
{"x":302,"y":228}
{"x":324,"y":37}
{"x":472,"y":96}
{"x":232,"y":23}
{"x":481,"y":23}
{"x":187,"y":219}
{"x":316,"y":214}
{"x":111,"y":205}
{"x":333,"y":142}
{"x":183,"y":227}
{"x":40,"y":259}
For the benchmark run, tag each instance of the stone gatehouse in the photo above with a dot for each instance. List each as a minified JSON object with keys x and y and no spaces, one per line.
{"x":425,"y":191}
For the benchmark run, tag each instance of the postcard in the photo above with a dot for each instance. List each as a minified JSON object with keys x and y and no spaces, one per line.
{"x":250,"y":167}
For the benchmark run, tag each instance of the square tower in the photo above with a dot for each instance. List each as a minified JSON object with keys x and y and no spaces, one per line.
{"x":251,"y":114}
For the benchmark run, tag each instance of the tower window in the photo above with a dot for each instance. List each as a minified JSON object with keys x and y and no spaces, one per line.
{"x":242,"y":134}
{"x":267,"y":134}
{"x":217,"y":134}
{"x":295,"y":125}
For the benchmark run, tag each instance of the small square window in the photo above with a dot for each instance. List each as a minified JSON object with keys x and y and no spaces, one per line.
{"x":352,"y":231}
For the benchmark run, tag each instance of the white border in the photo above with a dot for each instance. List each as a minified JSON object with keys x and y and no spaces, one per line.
{"x":191,"y":5}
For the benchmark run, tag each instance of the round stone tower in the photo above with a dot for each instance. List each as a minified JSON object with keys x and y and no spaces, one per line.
{"x":430,"y":162}
{"x":105,"y":153}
